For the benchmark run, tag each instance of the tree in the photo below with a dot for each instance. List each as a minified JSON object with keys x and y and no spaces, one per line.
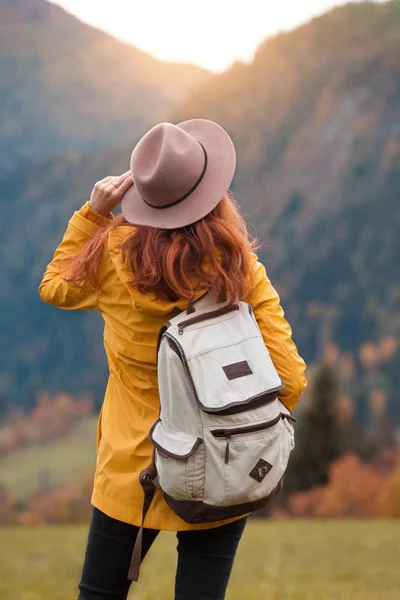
{"x":319,"y":441}
{"x":6,"y":505}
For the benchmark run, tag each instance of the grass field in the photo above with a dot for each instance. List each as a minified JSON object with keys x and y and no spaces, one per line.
{"x":54,"y":463}
{"x":276,"y":560}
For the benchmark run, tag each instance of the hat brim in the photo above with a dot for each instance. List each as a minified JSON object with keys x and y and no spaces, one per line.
{"x":221,"y":166}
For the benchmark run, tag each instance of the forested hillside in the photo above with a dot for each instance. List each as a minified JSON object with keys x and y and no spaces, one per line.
{"x":43,"y":348}
{"x":67,"y":87}
{"x":316,"y":122}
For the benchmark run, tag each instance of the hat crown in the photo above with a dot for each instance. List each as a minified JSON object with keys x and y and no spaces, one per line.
{"x":166,"y":164}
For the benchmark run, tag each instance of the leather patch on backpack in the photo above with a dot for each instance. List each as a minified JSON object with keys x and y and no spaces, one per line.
{"x":236,"y":370}
{"x":260,"y":470}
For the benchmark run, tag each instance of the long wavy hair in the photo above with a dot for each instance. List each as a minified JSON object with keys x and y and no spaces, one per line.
{"x":211,"y":254}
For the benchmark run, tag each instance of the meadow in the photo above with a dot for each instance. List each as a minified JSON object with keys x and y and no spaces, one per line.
{"x":276,"y":560}
{"x":53,"y":463}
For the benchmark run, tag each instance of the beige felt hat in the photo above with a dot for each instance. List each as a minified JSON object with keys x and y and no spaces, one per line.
{"x":180,"y":173}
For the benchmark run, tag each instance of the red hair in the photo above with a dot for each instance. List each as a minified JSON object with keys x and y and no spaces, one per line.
{"x":210,"y":254}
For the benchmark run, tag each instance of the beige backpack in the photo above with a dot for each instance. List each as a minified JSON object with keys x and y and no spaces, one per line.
{"x":223,"y":438}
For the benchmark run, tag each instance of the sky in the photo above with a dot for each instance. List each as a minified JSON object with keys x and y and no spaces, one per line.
{"x":209,"y":33}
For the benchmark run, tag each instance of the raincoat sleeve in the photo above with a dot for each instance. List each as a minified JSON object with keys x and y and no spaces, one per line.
{"x":277,"y":334}
{"x":67,"y":295}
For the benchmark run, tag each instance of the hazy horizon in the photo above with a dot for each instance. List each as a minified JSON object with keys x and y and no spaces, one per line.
{"x":214,"y":43}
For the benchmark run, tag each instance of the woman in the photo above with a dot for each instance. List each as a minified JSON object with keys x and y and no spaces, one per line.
{"x":178,"y":236}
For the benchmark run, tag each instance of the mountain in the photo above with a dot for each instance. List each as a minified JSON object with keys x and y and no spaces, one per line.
{"x":315,"y":119}
{"x":65,"y":86}
{"x":41,"y":347}
{"x":316,"y":122}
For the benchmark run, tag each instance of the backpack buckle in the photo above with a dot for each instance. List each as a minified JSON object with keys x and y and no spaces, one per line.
{"x":146,"y":480}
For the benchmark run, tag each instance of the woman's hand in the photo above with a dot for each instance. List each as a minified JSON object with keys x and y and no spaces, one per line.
{"x":107,"y":193}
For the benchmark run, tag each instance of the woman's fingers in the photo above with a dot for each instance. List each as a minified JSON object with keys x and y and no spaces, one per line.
{"x":124,"y":177}
{"x":115,"y":179}
{"x":117,"y":192}
{"x":108,"y":192}
{"x":117,"y":186}
{"x":112,"y":184}
{"x":102,"y":183}
{"x":125,"y":185}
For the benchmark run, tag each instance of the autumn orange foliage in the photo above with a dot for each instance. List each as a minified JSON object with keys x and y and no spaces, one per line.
{"x":67,"y":504}
{"x":6,"y":506}
{"x":355,"y":489}
{"x":49,"y":419}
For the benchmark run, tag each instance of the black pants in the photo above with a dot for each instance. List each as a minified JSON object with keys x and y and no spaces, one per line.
{"x":205,"y":559}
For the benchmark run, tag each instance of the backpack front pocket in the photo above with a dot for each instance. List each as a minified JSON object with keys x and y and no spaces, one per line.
{"x":252,"y":460}
{"x":179,"y":459}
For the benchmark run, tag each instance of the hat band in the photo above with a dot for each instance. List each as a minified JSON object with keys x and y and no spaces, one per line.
{"x":187,"y":193}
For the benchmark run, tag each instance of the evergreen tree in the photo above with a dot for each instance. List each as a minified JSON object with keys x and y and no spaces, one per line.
{"x":4,"y":407}
{"x":320,"y":441}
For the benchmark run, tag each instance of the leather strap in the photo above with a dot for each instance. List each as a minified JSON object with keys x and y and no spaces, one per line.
{"x":146,"y":478}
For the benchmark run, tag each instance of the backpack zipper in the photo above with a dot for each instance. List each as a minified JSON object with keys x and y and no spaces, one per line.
{"x":210,"y":315}
{"x":228,"y":433}
{"x":228,"y":441}
{"x":247,"y":428}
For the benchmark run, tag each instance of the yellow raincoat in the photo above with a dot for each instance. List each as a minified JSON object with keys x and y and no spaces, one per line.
{"x":131,"y":404}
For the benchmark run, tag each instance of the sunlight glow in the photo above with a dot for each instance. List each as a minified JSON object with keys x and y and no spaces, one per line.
{"x":211,"y":33}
